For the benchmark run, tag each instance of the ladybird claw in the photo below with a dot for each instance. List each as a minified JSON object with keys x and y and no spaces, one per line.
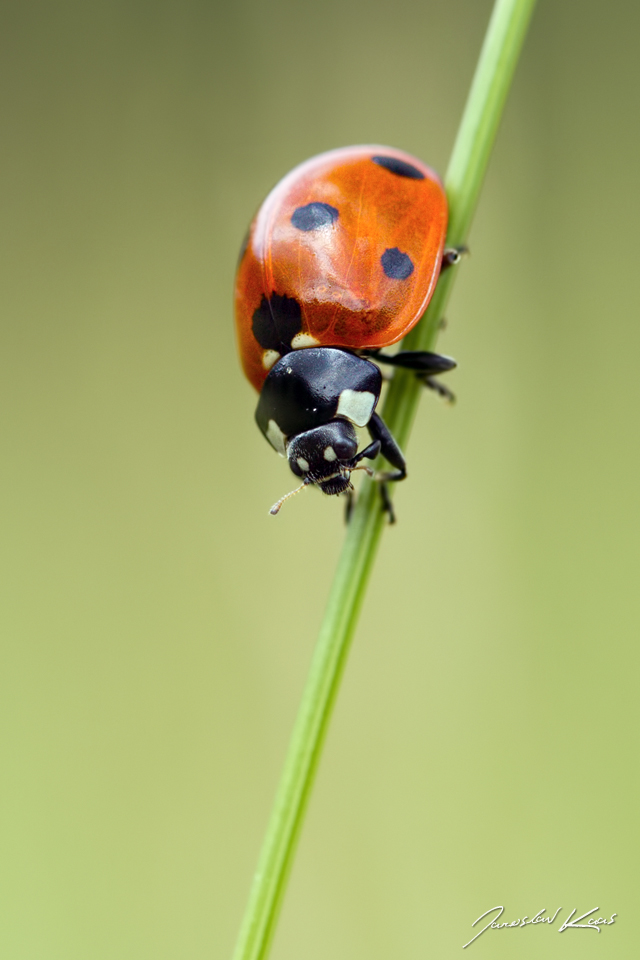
{"x":453,"y":255}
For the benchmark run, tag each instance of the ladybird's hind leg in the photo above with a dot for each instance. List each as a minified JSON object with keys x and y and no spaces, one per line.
{"x":440,"y":388}
{"x":390,"y":451}
{"x":426,"y":366}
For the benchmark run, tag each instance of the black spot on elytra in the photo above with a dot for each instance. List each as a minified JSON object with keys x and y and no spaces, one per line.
{"x":276,"y":322}
{"x":314,"y":216}
{"x":399,"y":167}
{"x":396,"y":265}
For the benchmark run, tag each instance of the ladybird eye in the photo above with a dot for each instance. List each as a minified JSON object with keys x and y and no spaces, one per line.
{"x":396,"y":264}
{"x":314,"y":216}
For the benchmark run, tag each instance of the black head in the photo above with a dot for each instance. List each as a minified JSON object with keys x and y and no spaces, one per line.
{"x":325,"y":455}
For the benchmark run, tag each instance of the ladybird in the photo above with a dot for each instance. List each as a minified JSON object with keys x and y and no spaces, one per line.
{"x":341,"y":260}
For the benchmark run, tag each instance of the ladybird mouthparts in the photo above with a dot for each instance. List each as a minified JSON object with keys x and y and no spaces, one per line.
{"x":339,"y":482}
{"x":343,"y":472}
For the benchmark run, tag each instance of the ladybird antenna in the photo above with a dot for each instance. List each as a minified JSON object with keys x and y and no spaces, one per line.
{"x":276,"y":507}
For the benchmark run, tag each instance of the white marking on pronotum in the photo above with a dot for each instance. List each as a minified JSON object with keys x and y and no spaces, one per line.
{"x":357,"y":406}
{"x":269,"y":357}
{"x":275,"y":436}
{"x":330,"y":454}
{"x":303,"y":464}
{"x":302,"y":340}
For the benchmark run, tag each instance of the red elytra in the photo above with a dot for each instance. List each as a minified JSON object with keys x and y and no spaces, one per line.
{"x":355,"y":237}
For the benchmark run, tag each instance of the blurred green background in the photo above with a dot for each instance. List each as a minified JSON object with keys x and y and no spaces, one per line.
{"x":157,"y":623}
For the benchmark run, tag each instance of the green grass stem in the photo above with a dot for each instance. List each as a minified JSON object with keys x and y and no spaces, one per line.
{"x":500,"y":52}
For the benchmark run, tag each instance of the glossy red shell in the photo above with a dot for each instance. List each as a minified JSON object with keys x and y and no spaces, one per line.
{"x":335,"y":273}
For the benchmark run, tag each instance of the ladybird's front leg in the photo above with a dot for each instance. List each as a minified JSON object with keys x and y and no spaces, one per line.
{"x":388,"y":448}
{"x":391,"y":451}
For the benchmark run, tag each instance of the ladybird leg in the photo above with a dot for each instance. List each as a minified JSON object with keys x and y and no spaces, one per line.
{"x":370,"y":452}
{"x":425,"y":364}
{"x":387,"y":502}
{"x":388,"y":448}
{"x":391,"y":451}
{"x":427,"y":367}
{"x":440,"y":388}
{"x":453,"y":255}
{"x":348,"y":506}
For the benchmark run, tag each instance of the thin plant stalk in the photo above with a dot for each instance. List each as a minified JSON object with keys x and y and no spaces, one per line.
{"x":463,"y":180}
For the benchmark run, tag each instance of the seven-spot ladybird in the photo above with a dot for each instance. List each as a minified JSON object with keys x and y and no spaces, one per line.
{"x":341,"y":259}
